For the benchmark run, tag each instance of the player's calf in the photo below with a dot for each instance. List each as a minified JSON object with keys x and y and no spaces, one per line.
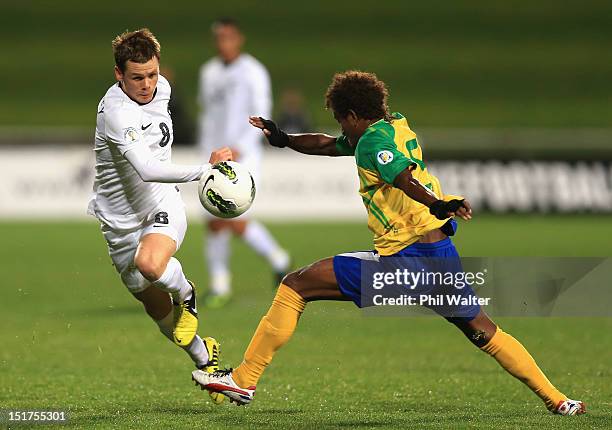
{"x":517,"y":361}
{"x":179,"y":323}
{"x":204,"y":352}
{"x":157,"y":303}
{"x":186,"y":319}
{"x":480,"y":330}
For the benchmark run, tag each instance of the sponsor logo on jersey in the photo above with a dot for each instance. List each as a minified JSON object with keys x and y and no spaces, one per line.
{"x":144,"y":128}
{"x":384,"y":157}
{"x":131,"y":135}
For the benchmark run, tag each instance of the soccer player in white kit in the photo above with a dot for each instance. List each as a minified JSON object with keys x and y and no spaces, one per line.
{"x":233,"y":86}
{"x":140,"y":209}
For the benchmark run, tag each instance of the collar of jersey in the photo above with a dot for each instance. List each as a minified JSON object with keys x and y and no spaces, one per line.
{"x":374,"y":123}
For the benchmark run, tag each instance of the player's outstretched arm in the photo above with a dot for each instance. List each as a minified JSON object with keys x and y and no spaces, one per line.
{"x":441,"y":209}
{"x":151,"y":169}
{"x":307,"y":143}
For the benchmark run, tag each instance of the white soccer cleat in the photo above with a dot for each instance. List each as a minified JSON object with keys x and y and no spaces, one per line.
{"x":570,"y":407}
{"x":222,"y":382}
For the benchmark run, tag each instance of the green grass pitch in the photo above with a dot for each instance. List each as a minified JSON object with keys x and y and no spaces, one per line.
{"x":74,"y":339}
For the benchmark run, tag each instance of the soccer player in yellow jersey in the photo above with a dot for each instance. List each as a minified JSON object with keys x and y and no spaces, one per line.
{"x":411,"y":219}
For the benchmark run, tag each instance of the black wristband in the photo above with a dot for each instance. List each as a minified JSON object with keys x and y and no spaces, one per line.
{"x":277,"y":137}
{"x":440,"y":208}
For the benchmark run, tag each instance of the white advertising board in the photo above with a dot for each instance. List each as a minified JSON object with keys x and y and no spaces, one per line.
{"x":54,"y":182}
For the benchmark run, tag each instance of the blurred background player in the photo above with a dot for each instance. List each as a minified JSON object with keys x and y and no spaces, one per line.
{"x":292,"y":115}
{"x":233,"y":86}
{"x":140,"y":209}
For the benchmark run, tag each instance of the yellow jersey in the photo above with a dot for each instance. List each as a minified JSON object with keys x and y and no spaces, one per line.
{"x":382,"y":152}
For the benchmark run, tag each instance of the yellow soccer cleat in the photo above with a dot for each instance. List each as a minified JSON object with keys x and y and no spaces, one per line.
{"x":185,"y":319}
{"x":217,"y":398}
{"x":214,"y":349}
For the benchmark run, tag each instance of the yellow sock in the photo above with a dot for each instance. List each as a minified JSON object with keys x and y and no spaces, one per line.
{"x":274,"y":330}
{"x":513,"y":357}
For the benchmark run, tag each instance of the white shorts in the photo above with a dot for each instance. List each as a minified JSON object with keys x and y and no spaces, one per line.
{"x":168,"y":219}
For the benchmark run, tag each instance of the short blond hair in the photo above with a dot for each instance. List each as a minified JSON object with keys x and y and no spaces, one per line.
{"x":138,"y":46}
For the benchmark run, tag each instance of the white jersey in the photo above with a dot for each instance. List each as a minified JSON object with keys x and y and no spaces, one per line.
{"x":122,"y":200}
{"x":228,"y":95}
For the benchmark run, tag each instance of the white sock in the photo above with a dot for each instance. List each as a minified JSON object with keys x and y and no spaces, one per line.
{"x":196,"y":349}
{"x":174,"y":282}
{"x":217,"y":255}
{"x":260,"y":239}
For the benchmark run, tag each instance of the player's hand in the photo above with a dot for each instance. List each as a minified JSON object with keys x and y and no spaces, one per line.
{"x":275,"y":135}
{"x":235,"y":154}
{"x":445,"y":209}
{"x":465,"y":211}
{"x":223,"y":154}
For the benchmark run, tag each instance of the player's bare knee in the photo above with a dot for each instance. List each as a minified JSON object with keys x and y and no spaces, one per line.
{"x":150,"y":267}
{"x":291,"y":279}
{"x":217,"y":225}
{"x":294,"y":280}
{"x":238,"y":227}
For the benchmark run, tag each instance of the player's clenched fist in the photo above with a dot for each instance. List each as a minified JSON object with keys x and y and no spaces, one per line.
{"x":444,"y":209}
{"x":223,"y":154}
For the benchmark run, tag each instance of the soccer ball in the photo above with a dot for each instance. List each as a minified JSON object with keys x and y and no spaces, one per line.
{"x":228,"y":190}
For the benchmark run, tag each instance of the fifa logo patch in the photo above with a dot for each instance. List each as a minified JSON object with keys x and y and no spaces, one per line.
{"x":384,"y":157}
{"x":131,"y":135}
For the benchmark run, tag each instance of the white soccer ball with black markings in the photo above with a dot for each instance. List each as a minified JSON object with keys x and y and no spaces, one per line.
{"x":227,"y":190}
